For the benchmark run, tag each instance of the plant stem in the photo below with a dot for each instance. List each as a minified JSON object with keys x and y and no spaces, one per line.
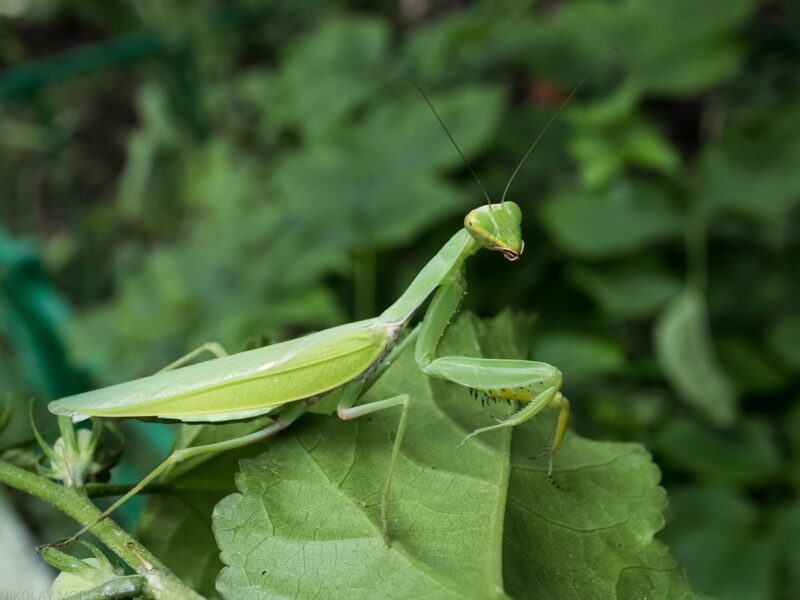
{"x":160,"y":582}
{"x":696,"y":251}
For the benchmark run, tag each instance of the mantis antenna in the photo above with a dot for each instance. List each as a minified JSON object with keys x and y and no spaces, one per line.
{"x":547,"y":126}
{"x":541,"y":134}
{"x":447,"y":131}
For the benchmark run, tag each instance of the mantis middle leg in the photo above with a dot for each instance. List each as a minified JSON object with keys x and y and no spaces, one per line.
{"x":213,"y":347}
{"x":346,"y":411}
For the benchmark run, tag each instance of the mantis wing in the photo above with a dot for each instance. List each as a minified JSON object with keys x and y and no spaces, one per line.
{"x":241,"y":385}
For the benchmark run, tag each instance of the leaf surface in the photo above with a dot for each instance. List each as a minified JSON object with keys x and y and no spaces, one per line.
{"x":306,"y":521}
{"x":478,"y":522}
{"x":592,"y":536}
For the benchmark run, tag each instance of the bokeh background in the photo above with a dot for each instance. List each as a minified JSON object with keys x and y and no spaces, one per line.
{"x":174,"y":173}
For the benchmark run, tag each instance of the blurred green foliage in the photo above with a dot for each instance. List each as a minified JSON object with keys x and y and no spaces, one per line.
{"x":262,"y":170}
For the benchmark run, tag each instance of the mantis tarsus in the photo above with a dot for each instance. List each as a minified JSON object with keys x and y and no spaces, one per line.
{"x":283,"y":380}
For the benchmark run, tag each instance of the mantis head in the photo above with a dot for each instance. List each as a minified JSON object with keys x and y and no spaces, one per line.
{"x":497,"y":227}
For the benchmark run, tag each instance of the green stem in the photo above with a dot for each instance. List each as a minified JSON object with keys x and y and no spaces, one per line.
{"x":160,"y":582}
{"x":696,"y":252}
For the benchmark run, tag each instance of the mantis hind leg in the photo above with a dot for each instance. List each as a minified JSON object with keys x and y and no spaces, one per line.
{"x":346,"y":411}
{"x":284,"y":419}
{"x":212,"y":347}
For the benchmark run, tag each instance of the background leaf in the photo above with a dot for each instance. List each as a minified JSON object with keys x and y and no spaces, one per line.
{"x":583,"y":357}
{"x":745,"y":455}
{"x":622,"y":219}
{"x":716,"y":532}
{"x":684,"y":350}
{"x":629,"y":291}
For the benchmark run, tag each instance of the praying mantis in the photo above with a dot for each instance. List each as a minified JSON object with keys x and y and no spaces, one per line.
{"x":284,"y":380}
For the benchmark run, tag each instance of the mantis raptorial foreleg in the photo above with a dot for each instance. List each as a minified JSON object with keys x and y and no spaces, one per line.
{"x":525,"y":413}
{"x":347,"y":411}
{"x":513,"y":380}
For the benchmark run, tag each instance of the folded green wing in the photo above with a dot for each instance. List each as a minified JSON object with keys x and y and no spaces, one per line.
{"x":240,"y":385}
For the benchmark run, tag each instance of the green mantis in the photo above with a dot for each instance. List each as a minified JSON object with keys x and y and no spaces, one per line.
{"x":284,"y":380}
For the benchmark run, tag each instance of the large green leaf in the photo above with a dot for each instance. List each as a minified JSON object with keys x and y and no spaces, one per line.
{"x":306,"y":520}
{"x":466,"y":523}
{"x":593,"y":538}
